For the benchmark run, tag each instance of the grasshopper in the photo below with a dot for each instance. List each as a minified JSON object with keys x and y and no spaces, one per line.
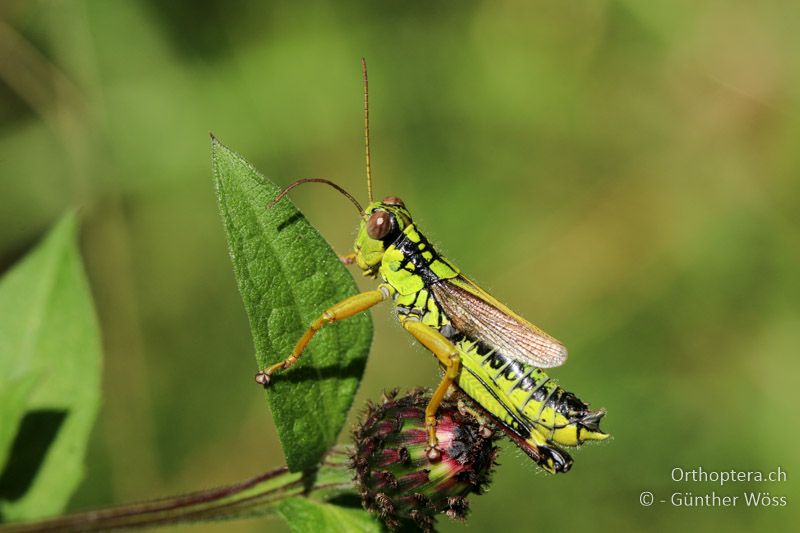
{"x":493,"y":355}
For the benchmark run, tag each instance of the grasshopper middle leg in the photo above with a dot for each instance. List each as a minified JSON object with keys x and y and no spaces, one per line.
{"x":448,"y":355}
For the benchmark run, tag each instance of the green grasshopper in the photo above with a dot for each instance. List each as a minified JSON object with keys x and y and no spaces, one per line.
{"x":485,"y":349}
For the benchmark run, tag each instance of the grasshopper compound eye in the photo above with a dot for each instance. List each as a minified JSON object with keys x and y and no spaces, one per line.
{"x":393,"y":200}
{"x":380,"y":224}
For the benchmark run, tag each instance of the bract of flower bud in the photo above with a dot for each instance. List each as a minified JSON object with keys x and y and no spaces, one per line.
{"x":397,"y":480}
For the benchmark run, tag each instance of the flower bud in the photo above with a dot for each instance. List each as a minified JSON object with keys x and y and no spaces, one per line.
{"x":397,"y":480}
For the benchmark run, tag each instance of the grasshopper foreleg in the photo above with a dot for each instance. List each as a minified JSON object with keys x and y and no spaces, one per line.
{"x":344,"y":309}
{"x":348,"y":259}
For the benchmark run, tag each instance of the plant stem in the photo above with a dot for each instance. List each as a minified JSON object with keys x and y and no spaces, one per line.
{"x":254,"y":497}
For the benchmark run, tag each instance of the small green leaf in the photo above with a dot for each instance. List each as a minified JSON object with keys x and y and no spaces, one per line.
{"x":287,"y":276}
{"x":49,"y":376}
{"x":308,"y":516}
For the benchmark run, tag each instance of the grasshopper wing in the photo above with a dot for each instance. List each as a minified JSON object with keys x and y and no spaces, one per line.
{"x":477,"y":314}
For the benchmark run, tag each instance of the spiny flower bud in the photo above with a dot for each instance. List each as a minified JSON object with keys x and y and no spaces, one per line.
{"x":396,"y":479}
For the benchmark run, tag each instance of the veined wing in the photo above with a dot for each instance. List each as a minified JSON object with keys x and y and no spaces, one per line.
{"x":479,"y":315}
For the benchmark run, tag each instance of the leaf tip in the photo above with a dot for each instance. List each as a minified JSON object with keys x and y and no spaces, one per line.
{"x":68,"y":222}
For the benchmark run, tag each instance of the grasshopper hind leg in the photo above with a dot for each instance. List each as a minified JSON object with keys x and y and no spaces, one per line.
{"x":548,"y":456}
{"x":466,"y":407}
{"x":553,"y":459}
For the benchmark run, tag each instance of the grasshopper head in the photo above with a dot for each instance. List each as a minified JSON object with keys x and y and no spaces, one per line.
{"x":383,"y":222}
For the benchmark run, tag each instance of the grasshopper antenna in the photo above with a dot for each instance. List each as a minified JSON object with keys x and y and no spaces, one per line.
{"x":316,"y":180}
{"x":366,"y":127}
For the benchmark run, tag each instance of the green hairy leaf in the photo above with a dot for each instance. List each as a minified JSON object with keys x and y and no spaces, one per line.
{"x":287,"y":276}
{"x":308,"y":516}
{"x":50,"y":358}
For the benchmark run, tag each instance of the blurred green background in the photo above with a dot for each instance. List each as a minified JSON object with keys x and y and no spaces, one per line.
{"x":623,"y":173}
